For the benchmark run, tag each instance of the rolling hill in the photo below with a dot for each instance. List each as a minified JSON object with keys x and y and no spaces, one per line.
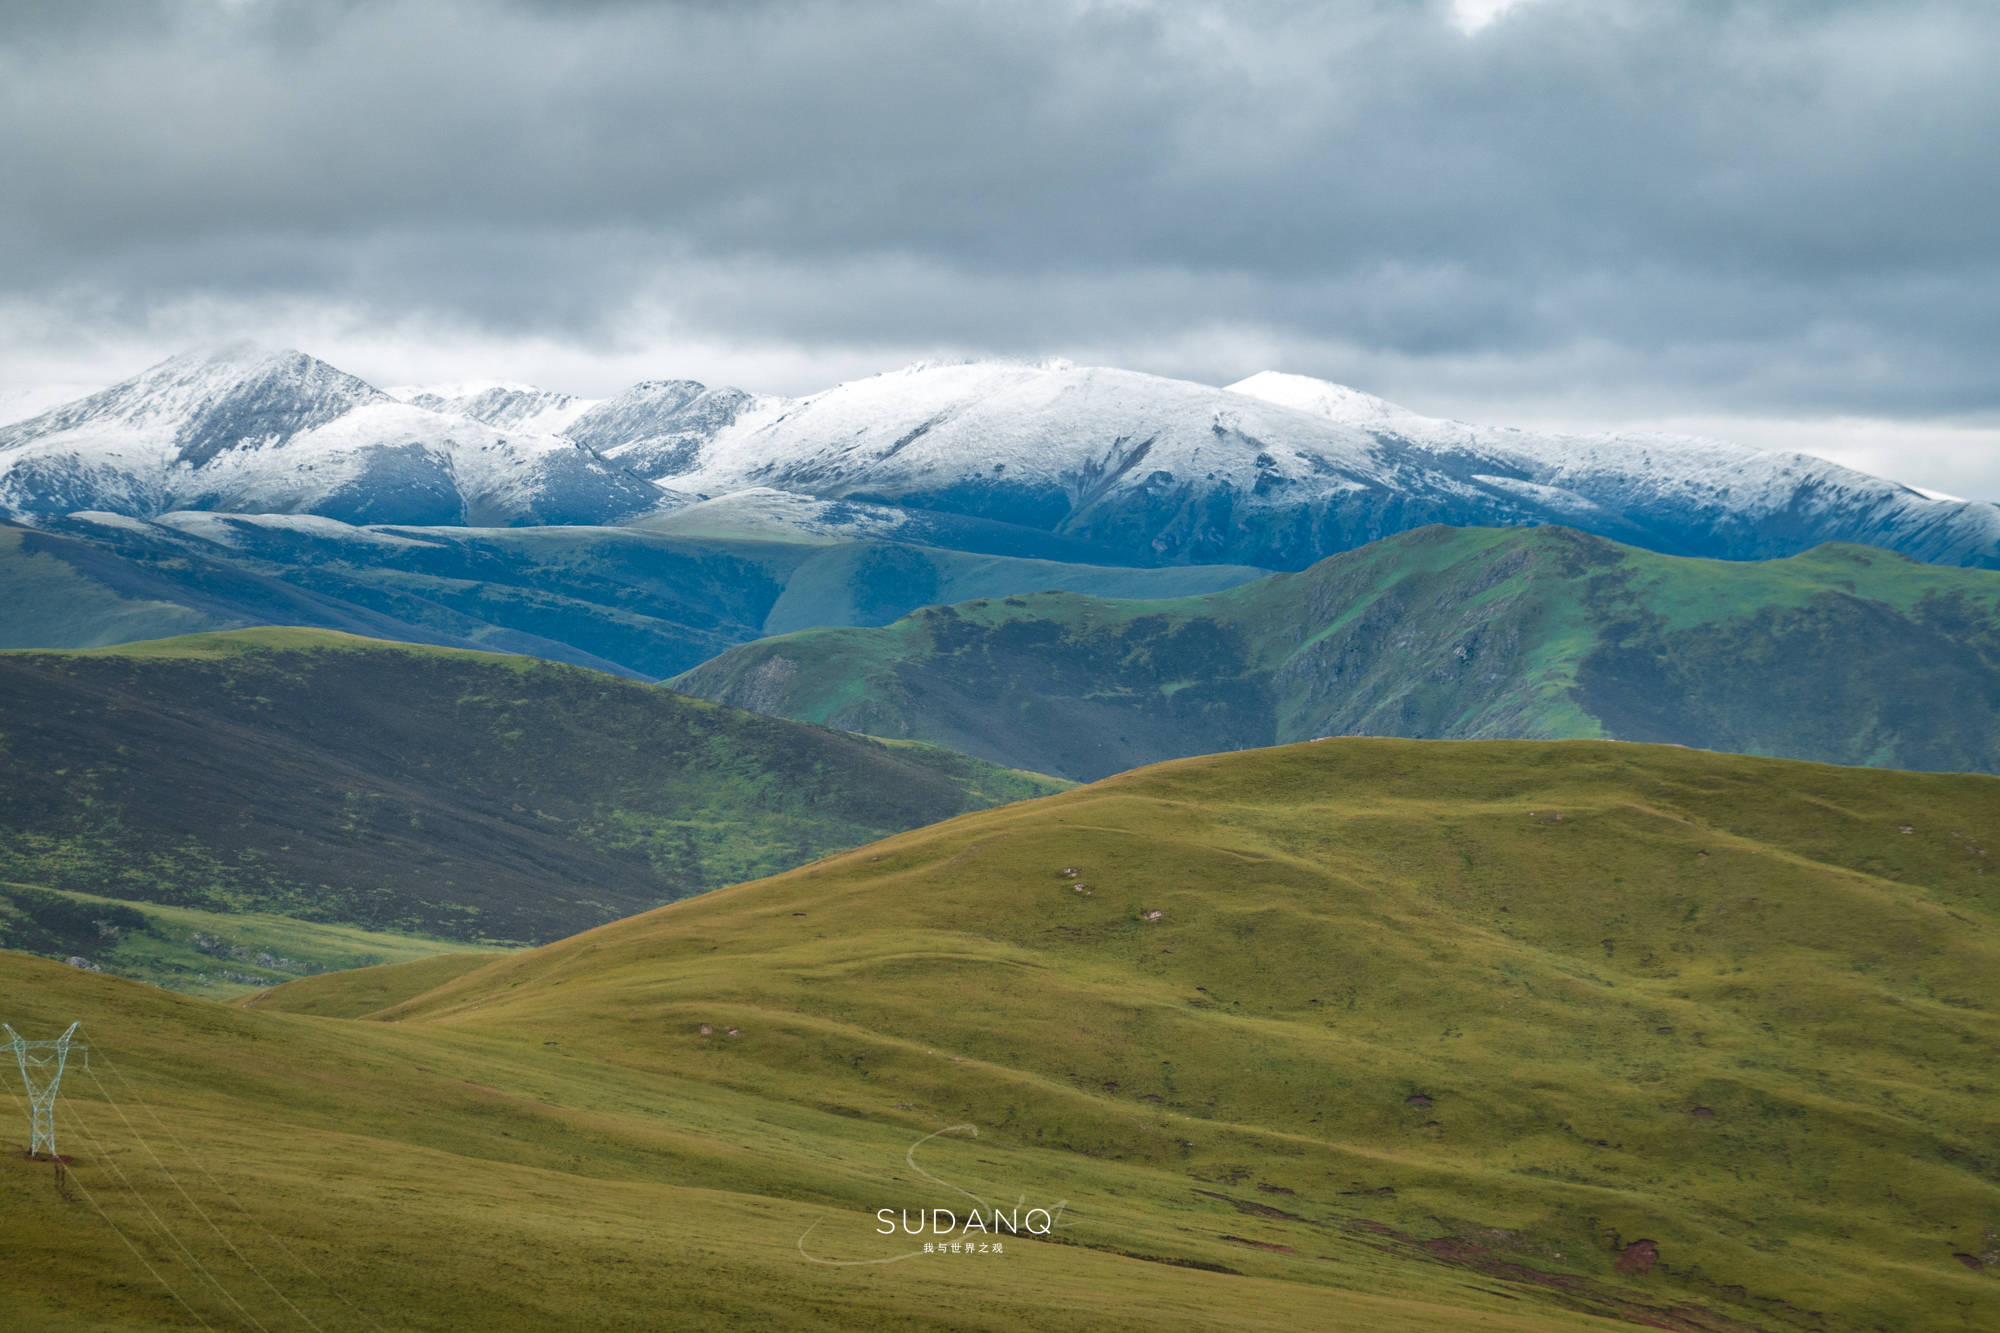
{"x":474,"y":797}
{"x":1357,"y":1035}
{"x":1845,"y":654}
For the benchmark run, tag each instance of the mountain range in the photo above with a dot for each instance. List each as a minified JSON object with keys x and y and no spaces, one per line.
{"x":1039,"y":459}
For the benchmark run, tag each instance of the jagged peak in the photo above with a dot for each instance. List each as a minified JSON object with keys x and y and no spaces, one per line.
{"x":657,"y":388}
{"x":225,"y":369}
{"x":215,"y":395}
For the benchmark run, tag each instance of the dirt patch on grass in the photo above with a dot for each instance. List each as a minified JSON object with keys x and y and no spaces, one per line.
{"x":1572,"y":1290}
{"x":1638,"y":1257}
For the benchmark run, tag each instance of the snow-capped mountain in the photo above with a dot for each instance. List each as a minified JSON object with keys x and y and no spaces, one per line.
{"x":1678,"y":493}
{"x":1281,"y":470}
{"x":279,"y":432}
{"x":1046,"y":459}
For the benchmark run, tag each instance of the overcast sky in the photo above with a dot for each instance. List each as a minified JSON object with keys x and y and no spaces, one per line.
{"x":1771,"y":221}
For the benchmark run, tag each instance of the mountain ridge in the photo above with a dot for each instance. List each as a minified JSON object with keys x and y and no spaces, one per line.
{"x":1844,"y":654}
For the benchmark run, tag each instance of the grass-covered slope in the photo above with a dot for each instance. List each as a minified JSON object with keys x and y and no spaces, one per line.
{"x":235,"y":1165}
{"x":1845,"y":654}
{"x":1498,"y":1035}
{"x":466,"y":795}
{"x":631,"y":600}
{"x":360,"y":992}
{"x":54,"y":602}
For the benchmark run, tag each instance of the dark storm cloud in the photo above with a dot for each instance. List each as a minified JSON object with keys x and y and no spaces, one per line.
{"x":1750,"y":206}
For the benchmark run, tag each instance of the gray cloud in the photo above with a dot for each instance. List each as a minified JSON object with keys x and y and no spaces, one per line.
{"x":1668,"y":208}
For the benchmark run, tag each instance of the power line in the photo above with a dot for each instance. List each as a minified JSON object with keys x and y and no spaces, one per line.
{"x":160,"y":1224}
{"x":198,"y":1209}
{"x":34,"y":1057}
{"x":89,"y":1199}
{"x":132,"y":1095}
{"x":119,"y":1231}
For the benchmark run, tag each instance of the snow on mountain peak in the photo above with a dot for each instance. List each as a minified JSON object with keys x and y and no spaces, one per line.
{"x":1049,"y":426}
{"x":207,"y":401}
{"x":658,"y":428}
{"x":242,"y":427}
{"x":1320,"y":397}
{"x":503,"y":404}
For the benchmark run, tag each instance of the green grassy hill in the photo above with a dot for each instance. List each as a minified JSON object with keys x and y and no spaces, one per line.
{"x":1359,"y":1035}
{"x":323,"y":778}
{"x":1845,"y":654}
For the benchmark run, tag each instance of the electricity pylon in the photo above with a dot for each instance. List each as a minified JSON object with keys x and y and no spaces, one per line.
{"x":35,"y":1058}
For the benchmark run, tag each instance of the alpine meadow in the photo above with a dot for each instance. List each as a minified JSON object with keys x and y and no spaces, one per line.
{"x":1053,"y":666}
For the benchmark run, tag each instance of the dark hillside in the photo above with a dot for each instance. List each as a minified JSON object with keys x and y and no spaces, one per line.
{"x":462,"y":794}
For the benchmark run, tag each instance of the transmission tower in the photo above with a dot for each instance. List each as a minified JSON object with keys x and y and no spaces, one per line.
{"x":39,"y":1061}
